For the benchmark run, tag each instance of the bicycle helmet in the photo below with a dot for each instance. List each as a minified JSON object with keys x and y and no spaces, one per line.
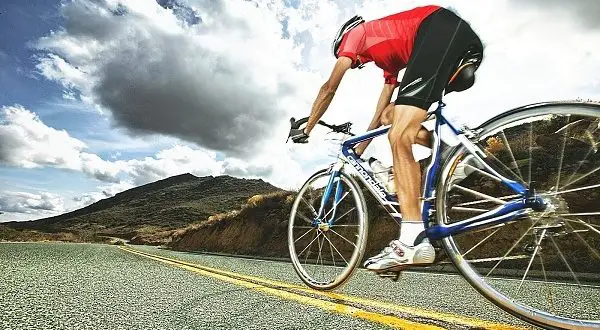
{"x":349,"y":25}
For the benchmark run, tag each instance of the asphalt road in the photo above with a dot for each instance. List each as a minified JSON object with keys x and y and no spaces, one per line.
{"x":87,"y":286}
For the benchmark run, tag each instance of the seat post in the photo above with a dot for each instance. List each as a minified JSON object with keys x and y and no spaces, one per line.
{"x":441,"y":105}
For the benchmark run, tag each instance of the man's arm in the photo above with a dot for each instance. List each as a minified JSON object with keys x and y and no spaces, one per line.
{"x":384,"y":101}
{"x":327,"y":91}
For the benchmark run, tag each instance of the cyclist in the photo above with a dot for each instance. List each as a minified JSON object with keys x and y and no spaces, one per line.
{"x":428,"y":41}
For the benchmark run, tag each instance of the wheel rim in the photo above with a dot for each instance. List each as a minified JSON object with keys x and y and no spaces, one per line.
{"x":546,"y":268}
{"x":325,"y":255}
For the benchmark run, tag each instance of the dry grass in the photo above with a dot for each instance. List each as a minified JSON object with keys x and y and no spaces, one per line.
{"x":260,"y":199}
{"x":255,"y":204}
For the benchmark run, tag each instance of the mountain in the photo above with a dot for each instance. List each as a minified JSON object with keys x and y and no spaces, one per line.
{"x":163,"y":205}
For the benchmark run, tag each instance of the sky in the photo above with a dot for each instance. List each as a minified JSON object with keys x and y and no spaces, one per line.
{"x":99,"y":96}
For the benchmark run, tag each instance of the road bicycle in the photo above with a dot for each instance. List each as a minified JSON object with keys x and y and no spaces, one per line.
{"x":513,"y":203}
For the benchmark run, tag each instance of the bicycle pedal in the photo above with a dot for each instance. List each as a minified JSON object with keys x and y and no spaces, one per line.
{"x":392,"y":275}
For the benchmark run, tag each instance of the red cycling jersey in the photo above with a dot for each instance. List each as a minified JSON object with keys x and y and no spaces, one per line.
{"x":387,"y":41}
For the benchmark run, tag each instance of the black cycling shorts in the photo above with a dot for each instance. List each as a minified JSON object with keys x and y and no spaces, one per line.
{"x":441,"y":41}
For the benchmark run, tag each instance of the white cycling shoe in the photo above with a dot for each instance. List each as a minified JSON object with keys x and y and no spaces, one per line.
{"x":399,"y":255}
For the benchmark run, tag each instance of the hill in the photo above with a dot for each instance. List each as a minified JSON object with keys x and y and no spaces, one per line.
{"x":159,"y":206}
{"x":259,"y":228}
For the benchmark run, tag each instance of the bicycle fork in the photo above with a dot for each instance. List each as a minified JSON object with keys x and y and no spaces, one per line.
{"x":335,"y":187}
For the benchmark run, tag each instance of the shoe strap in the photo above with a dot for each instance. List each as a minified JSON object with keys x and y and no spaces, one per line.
{"x":397,"y":248}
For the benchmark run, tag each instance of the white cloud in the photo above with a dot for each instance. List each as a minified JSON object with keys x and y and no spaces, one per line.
{"x":25,"y":141}
{"x":39,"y":204}
{"x":215,"y":83}
{"x":104,"y":191}
{"x":176,"y":160}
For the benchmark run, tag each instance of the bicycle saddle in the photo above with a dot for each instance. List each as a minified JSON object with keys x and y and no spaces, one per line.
{"x":464,"y":77}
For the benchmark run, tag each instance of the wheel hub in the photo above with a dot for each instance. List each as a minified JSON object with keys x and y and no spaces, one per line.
{"x":324,"y":226}
{"x":549,"y":220}
{"x":556,"y":204}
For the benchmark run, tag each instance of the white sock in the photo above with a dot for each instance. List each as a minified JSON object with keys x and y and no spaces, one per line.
{"x":409,"y":232}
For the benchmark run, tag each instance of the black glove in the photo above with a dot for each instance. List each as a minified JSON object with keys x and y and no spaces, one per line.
{"x":298,"y":135}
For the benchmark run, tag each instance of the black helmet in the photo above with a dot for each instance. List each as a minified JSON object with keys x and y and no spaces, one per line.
{"x":349,"y":25}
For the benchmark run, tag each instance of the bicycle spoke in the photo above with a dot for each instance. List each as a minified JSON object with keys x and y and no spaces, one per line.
{"x":590,"y":226}
{"x":530,"y":156}
{"x":582,"y":177}
{"x":535,"y":251}
{"x":309,"y":244}
{"x":512,"y":156}
{"x":578,"y":214}
{"x":310,"y":206}
{"x":335,"y":205}
{"x":341,"y":216}
{"x":336,"y":250}
{"x":506,"y":168}
{"x":479,"y":194}
{"x":562,"y":155}
{"x":489,"y":175}
{"x":482,"y":241}
{"x":572,"y":190}
{"x":344,"y":238}
{"x":594,"y":252}
{"x":593,"y":147}
{"x":480,"y":260}
{"x":320,"y":256}
{"x":512,"y":248}
{"x":318,"y":247}
{"x":331,"y":250}
{"x":311,"y":228}
{"x":305,"y":218}
{"x":564,"y":260}
{"x":549,"y":289}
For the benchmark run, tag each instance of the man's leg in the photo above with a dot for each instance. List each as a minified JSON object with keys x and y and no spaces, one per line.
{"x":423,"y":136}
{"x":385,"y":118}
{"x":406,"y":124}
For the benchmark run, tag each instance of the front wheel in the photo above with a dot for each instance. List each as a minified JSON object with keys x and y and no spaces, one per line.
{"x":545,"y":266}
{"x":326,"y":250}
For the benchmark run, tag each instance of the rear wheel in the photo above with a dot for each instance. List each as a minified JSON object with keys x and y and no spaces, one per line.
{"x":544,"y":267}
{"x":325,"y":252}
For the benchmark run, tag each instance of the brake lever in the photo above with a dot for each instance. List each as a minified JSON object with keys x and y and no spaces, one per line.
{"x":293,"y":123}
{"x":343,"y":128}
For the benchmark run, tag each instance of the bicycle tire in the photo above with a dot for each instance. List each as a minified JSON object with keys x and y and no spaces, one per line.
{"x":466,"y":265}
{"x":360,"y":243}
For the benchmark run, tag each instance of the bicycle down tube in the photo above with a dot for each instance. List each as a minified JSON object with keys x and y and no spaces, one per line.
{"x":504,"y":213}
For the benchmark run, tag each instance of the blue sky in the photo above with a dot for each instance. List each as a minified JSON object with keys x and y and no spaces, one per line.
{"x":20,"y":84}
{"x":101,"y":96}
{"x":18,"y":81}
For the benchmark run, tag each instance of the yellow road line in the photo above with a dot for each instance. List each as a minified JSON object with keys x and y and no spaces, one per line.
{"x":388,"y":320}
{"x":418,"y":312}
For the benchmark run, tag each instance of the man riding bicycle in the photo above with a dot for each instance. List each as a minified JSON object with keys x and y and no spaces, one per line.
{"x":428,"y":41}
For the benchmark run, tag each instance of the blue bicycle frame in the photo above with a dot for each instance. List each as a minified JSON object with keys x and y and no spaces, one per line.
{"x":509,"y":211}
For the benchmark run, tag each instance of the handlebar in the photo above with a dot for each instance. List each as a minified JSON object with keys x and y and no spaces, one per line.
{"x":343,"y":128}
